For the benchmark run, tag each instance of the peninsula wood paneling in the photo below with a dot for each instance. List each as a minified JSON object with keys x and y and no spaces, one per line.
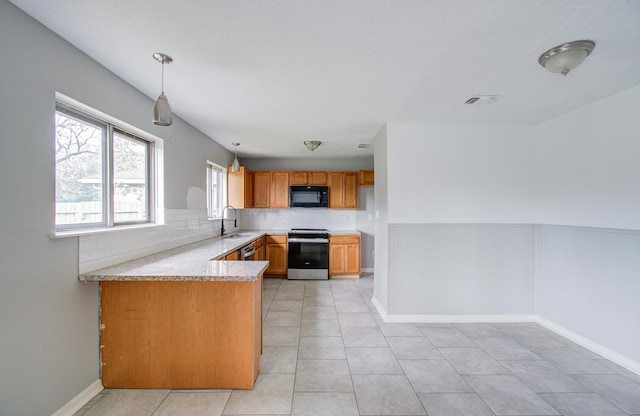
{"x":181,"y":335}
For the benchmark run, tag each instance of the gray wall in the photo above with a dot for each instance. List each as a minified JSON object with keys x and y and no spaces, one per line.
{"x":49,"y":320}
{"x":310,"y":163}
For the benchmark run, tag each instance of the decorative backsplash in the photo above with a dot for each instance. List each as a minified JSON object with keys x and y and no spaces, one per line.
{"x":182,"y":226}
{"x":284,"y":219}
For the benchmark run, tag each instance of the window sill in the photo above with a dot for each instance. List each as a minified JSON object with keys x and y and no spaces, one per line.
{"x":94,"y":231}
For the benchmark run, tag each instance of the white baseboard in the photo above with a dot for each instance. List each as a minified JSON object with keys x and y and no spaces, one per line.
{"x":619,"y":359}
{"x":431,"y":318}
{"x":459,"y":318}
{"x":80,"y":400}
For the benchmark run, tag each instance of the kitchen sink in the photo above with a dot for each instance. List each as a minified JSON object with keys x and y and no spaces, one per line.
{"x":239,"y":235}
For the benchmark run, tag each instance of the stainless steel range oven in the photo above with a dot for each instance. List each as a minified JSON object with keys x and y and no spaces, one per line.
{"x":308,"y":254}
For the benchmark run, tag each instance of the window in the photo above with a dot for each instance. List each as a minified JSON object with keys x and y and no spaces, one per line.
{"x":104,"y":173}
{"x":216,"y":190}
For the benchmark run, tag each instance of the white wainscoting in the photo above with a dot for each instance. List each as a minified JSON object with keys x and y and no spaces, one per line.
{"x":461,"y":270}
{"x":588,"y":282}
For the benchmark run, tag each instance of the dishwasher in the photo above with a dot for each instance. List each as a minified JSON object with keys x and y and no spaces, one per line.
{"x":247,"y":252}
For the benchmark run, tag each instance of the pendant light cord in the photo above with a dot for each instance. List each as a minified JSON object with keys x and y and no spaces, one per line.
{"x":162,"y":80}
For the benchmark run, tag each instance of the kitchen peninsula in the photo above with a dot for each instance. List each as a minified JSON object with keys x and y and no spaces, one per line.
{"x":181,"y":319}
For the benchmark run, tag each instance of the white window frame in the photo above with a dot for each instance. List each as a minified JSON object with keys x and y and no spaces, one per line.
{"x":69,"y":106}
{"x":214,"y":211}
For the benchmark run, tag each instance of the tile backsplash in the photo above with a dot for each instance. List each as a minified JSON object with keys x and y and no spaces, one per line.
{"x":182,"y":226}
{"x":284,"y":219}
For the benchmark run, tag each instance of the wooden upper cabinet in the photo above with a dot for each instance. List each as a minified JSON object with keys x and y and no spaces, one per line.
{"x":279,"y":197}
{"x":316,"y":178}
{"x":366,"y":178}
{"x":261,"y":189}
{"x":336,"y":189}
{"x":351,"y":190}
{"x":343,"y":190}
{"x":299,"y":178}
{"x":240,"y":188}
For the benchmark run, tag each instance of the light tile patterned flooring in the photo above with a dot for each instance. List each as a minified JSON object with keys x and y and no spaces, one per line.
{"x":327,"y":352}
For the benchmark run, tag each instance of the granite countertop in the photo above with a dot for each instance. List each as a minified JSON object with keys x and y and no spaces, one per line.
{"x":191,"y":262}
{"x":194,"y":262}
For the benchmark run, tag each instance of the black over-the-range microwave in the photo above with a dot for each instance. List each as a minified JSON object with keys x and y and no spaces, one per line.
{"x":309,"y":196}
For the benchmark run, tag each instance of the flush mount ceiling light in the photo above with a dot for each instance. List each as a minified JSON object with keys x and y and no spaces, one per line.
{"x":564,"y":58}
{"x":161,"y":109}
{"x":312,"y":144}
{"x":235,"y":166}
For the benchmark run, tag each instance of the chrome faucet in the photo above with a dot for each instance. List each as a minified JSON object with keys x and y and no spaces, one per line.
{"x":235,"y":219}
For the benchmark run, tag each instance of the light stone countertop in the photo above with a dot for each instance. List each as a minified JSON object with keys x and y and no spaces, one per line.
{"x":191,"y":262}
{"x":194,"y":262}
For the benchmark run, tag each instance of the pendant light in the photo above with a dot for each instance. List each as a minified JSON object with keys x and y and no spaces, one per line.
{"x":235,"y":166}
{"x":161,"y":109}
{"x":312,"y":144}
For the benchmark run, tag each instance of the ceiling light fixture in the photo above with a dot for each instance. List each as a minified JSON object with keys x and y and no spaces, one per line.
{"x":312,"y":144}
{"x":235,"y":166}
{"x":161,"y":109}
{"x":563,"y":58}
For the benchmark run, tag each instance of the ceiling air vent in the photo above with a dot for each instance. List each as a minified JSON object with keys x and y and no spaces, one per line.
{"x":482,"y":99}
{"x":363,"y":146}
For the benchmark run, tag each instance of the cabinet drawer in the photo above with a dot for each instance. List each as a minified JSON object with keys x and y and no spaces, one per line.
{"x":345,"y":239}
{"x":276,"y":239}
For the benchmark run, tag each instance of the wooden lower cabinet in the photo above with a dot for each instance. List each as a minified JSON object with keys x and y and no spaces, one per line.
{"x":260,"y":249}
{"x":344,"y":255}
{"x":276,"y":252}
{"x":180,"y":334}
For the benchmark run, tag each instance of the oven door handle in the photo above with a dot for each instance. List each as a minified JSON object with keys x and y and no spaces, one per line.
{"x":308,"y":240}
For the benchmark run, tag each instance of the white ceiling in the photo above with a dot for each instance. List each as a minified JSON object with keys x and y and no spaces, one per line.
{"x":273,"y":73}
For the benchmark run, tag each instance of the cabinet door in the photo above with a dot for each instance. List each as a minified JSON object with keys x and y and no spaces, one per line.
{"x":344,"y":255}
{"x":317,"y":178}
{"x":336,"y":189}
{"x":279,"y":190}
{"x":366,"y":178}
{"x":233,"y":256}
{"x":351,"y":190}
{"x":337,"y":259}
{"x":299,"y":178}
{"x":260,"y":253}
{"x":352,"y":254}
{"x":276,"y":253}
{"x":261,"y":186}
{"x":240,"y":188}
{"x":248,"y":189}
